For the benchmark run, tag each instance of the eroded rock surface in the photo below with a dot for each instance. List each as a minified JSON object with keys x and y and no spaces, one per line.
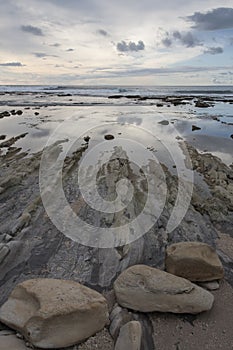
{"x":146,"y":289}
{"x":195,"y":261}
{"x":54,"y":313}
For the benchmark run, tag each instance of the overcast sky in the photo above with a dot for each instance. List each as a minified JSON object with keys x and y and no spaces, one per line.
{"x":124,"y":42}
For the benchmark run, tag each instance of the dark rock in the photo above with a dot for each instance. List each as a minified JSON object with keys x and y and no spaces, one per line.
{"x":232,"y":136}
{"x":19,"y":112}
{"x":36,"y":113}
{"x":194,"y":128}
{"x":86,"y":138}
{"x":108,"y":137}
{"x":202,"y":104}
{"x":2,"y":137}
{"x":116,"y":96}
{"x":164,"y":122}
{"x":159,"y":104}
{"x":4,"y":114}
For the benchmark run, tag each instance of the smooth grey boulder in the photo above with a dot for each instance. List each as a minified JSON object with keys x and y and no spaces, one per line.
{"x":147,"y":289}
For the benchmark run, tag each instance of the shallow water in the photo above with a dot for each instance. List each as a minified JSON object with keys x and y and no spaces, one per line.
{"x":164,"y":126}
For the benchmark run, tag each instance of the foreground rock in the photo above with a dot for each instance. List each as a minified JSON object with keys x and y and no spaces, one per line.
{"x":194,"y":260}
{"x":130,"y":336}
{"x":9,"y":341}
{"x":148,"y":289}
{"x":53,"y":313}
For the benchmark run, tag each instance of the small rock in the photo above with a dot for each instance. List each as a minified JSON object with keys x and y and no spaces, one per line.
{"x":194,"y":128}
{"x":19,"y":112}
{"x":2,"y":137}
{"x":86,"y":138}
{"x":232,"y":136}
{"x":195,"y":261}
{"x":164,"y":122}
{"x":108,"y":137}
{"x":11,"y":342}
{"x":52,"y":313}
{"x":212,"y":285}
{"x":119,"y":318}
{"x":146,"y":289}
{"x":36,"y":113}
{"x":130,"y":337}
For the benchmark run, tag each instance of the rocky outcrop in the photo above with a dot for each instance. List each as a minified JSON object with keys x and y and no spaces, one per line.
{"x":202,"y":104}
{"x":130,"y":336}
{"x":53,"y":313}
{"x":195,"y":261}
{"x":146,"y":289}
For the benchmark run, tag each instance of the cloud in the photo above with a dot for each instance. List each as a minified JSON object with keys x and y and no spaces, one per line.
{"x":131,"y":46}
{"x":219,"y":18}
{"x":40,"y":54}
{"x":33,"y":30}
{"x":167,"y":42}
{"x":184,"y":38}
{"x":12,"y":64}
{"x":55,"y":45}
{"x":102,"y":32}
{"x":213,"y":50}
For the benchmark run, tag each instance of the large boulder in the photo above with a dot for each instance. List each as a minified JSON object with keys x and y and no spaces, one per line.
{"x":130,"y":336}
{"x":54,"y":313}
{"x":195,"y":261}
{"x":147,"y":289}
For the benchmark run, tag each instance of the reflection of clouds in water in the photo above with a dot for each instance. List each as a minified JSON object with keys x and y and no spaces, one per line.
{"x":129,"y":120}
{"x":219,"y":147}
{"x":41,"y":133}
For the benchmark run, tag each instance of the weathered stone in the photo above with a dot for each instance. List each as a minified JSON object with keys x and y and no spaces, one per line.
{"x":54,"y":313}
{"x":212,"y":285}
{"x":130,"y":337}
{"x":195,"y":261}
{"x":118,"y":318}
{"x":148,"y":289}
{"x":4,"y":251}
{"x":9,"y":341}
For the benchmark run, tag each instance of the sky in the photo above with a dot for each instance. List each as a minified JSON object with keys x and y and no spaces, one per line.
{"x":116,"y":42}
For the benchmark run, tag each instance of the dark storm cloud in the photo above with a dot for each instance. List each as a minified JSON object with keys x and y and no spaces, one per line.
{"x":12,"y":64}
{"x":131,"y":46}
{"x":219,"y":18}
{"x":185,"y":38}
{"x":102,"y":32}
{"x":214,"y":50}
{"x":32,"y":30}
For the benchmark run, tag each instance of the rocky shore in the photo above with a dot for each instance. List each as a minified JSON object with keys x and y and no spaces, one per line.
{"x":130,"y":300}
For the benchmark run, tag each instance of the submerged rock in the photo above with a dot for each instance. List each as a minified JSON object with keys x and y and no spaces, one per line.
{"x":195,"y":261}
{"x":54,"y":313}
{"x":146,"y":289}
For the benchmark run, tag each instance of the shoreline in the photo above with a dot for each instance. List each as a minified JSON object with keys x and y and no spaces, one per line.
{"x":33,"y":247}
